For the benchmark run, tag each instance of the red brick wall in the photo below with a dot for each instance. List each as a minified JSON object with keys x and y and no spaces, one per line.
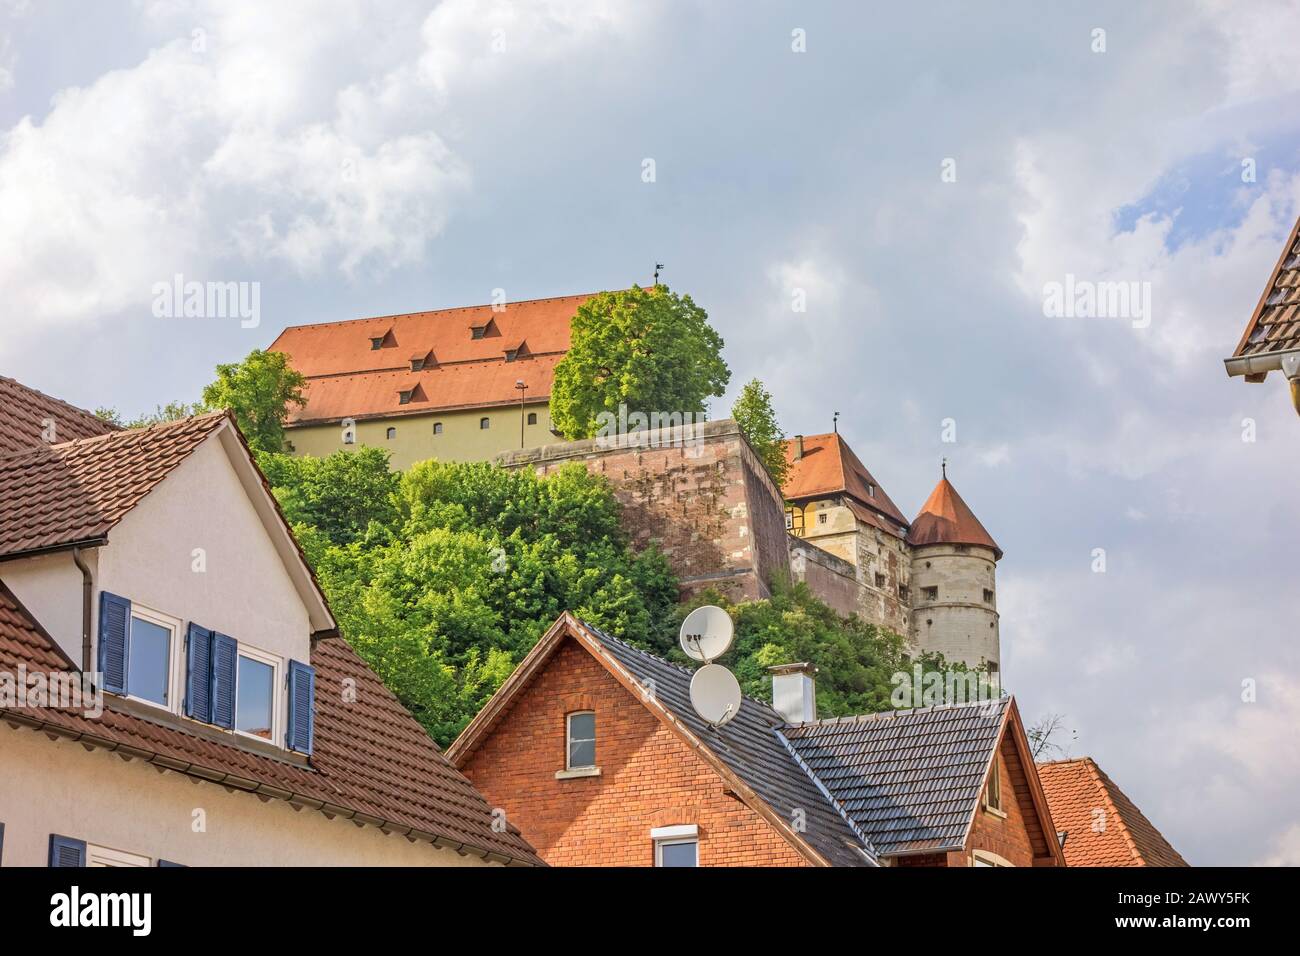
{"x":648,"y":778}
{"x":1009,"y":838}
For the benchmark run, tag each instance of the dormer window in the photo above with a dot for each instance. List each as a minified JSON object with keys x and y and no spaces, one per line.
{"x":511,"y":354}
{"x":376,"y":343}
{"x":404,"y":397}
{"x":417,"y":365}
{"x":478,"y":331}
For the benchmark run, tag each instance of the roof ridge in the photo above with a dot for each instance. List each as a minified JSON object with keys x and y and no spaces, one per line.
{"x":58,"y":401}
{"x":900,"y":712}
{"x":447,"y":311}
{"x":1095,"y":772}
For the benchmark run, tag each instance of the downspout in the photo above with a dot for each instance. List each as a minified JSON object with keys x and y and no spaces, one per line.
{"x":87,"y":592}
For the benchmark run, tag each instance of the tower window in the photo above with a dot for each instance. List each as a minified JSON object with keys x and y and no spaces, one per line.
{"x":902,"y":592}
{"x":880,"y":580}
{"x":988,"y":595}
{"x":930,"y":593}
{"x":821,"y":517}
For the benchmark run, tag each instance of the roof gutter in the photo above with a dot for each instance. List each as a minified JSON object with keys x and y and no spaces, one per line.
{"x":95,"y":542}
{"x":1256,"y":367}
{"x":87,"y":594}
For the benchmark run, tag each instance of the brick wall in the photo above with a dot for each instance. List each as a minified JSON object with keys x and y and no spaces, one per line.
{"x":706,"y":501}
{"x":648,"y":778}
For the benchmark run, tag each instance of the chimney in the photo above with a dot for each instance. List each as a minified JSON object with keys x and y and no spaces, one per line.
{"x":798,"y":447}
{"x":794,"y":692}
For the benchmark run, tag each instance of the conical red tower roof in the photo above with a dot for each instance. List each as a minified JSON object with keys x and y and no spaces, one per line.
{"x":946,"y":519}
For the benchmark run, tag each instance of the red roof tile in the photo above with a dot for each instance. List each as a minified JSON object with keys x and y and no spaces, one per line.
{"x":25,"y":416}
{"x":946,"y":519}
{"x":349,"y":378}
{"x":1274,"y":326}
{"x":1103,"y":826}
{"x":373,"y":762}
{"x":56,"y":495}
{"x":829,"y":467}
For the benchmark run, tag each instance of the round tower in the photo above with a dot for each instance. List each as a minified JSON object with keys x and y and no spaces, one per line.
{"x":954,"y":586}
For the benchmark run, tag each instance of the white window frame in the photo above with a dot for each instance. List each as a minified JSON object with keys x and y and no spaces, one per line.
{"x":675,"y":836}
{"x":175,"y":666}
{"x":568,"y":740}
{"x":277,"y":692}
{"x":985,"y":858}
{"x":103,"y":856}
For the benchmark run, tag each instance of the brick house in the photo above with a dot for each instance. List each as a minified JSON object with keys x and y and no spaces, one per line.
{"x":173,"y":687}
{"x":1097,"y":823}
{"x":593,"y":749}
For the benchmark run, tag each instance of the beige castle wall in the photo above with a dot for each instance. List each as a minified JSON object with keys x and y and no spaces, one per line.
{"x":960,"y":624}
{"x":57,"y":786}
{"x":461,"y":440}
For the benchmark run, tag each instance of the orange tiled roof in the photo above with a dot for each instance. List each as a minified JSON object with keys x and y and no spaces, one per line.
{"x":349,"y":378}
{"x":25,"y":416}
{"x":372,"y":761}
{"x":830,"y":467}
{"x":56,"y":495}
{"x":1274,"y":326}
{"x":946,"y":519}
{"x":1103,"y":826}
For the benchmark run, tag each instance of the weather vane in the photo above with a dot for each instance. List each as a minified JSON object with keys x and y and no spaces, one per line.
{"x":835,"y":422}
{"x":943,"y":465}
{"x":658,"y":266}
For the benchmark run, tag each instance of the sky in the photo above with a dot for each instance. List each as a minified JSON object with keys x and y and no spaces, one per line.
{"x":916,"y":175}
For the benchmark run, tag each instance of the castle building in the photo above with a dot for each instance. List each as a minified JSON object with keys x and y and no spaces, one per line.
{"x":455,"y":384}
{"x":932,"y":579}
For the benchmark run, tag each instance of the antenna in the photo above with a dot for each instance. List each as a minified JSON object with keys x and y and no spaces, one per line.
{"x":715,"y":694}
{"x":706,"y":634}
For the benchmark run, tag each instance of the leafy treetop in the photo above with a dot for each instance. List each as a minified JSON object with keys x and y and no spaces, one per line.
{"x":754,"y":414}
{"x":259,"y":390}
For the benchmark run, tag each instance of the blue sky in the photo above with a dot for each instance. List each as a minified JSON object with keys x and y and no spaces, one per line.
{"x":400,"y":156}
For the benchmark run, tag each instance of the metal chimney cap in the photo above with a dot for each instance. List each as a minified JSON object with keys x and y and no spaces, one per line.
{"x":803,"y":667}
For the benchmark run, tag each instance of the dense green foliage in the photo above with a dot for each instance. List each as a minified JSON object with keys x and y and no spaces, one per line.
{"x":754,"y":414}
{"x":444,"y":577}
{"x":259,"y":390}
{"x":647,"y":349}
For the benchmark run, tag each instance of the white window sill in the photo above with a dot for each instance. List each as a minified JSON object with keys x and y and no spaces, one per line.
{"x":577,"y":772}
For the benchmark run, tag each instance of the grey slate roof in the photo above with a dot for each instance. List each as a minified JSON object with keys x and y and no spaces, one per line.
{"x":911,"y":778}
{"x":754,"y":751}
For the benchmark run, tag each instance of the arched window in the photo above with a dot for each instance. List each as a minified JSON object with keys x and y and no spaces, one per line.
{"x":392,"y":433}
{"x":483,"y":423}
{"x":437,"y":428}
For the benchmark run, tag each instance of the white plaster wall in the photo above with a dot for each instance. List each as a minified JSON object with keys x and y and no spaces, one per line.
{"x":961,"y":625}
{"x":59,"y":787}
{"x":50,"y":587}
{"x":245,"y":592}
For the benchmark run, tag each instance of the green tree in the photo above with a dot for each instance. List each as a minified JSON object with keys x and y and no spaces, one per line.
{"x":259,"y":390}
{"x":754,"y":414}
{"x":649,"y":349}
{"x":170,"y":412}
{"x":444,"y":577}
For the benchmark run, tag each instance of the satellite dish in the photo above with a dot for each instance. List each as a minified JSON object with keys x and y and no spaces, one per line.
{"x":715,"y":694}
{"x":706,"y":633}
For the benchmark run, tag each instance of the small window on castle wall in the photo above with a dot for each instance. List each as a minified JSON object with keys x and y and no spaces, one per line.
{"x":930,"y":593}
{"x":821,"y":517}
{"x":988,"y":595}
{"x":437,"y":428}
{"x":880,"y":580}
{"x":902,"y":592}
{"x":532,"y":418}
{"x":484,"y":423}
{"x":581,"y":735}
{"x":392,"y":433}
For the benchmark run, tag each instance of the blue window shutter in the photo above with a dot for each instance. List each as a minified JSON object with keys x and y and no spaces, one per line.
{"x":65,"y":851}
{"x":114,"y":640}
{"x":302,"y":707}
{"x":198,"y":673}
{"x":225,"y":658}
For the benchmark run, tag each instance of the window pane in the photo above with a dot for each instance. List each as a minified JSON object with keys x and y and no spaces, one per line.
{"x":582,"y":753}
{"x":582,"y":727}
{"x":150,"y":661}
{"x":678,"y":854}
{"x":253,"y":701}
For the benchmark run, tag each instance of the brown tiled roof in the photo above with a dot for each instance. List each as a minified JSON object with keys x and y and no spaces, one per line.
{"x":347,"y":378}
{"x":373,"y":762}
{"x":829,"y":467}
{"x":25,"y":412}
{"x":1103,"y":826}
{"x":56,"y":495}
{"x":1274,"y":326}
{"x":946,"y":519}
